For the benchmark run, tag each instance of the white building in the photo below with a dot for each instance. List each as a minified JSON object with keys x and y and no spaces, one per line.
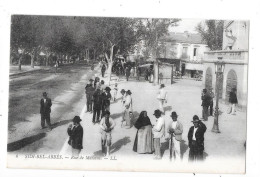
{"x":234,"y":54}
{"x":188,"y":47}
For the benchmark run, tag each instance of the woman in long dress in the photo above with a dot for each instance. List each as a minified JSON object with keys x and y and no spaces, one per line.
{"x":144,"y":138}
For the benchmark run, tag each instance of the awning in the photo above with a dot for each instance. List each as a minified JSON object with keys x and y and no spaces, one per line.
{"x":145,"y":65}
{"x":193,"y":66}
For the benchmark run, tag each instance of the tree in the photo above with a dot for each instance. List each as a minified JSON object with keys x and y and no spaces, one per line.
{"x":212,"y":33}
{"x":153,"y":30}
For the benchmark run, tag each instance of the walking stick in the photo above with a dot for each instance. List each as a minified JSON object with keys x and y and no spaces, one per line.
{"x":171,"y":147}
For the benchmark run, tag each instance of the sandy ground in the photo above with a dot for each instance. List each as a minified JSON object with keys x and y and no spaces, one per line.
{"x":184,"y":98}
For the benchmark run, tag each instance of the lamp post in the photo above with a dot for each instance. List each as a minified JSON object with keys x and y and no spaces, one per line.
{"x":219,"y":69}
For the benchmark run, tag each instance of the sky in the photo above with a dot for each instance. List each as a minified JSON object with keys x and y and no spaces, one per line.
{"x":186,"y":25}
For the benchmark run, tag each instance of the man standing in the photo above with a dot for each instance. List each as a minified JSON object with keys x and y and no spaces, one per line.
{"x":233,"y":100}
{"x":205,"y":97}
{"x":106,"y":97}
{"x":97,"y":106}
{"x":196,"y":139}
{"x":128,"y":109}
{"x":103,"y":69}
{"x":158,"y":133}
{"x":211,"y":94}
{"x":45,"y":110}
{"x":75,"y":133}
{"x":127,"y":72}
{"x":107,"y":124}
{"x":89,"y":90}
{"x":175,"y":130}
{"x":162,"y":97}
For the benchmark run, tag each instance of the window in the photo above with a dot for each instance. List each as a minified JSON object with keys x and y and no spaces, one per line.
{"x":195,"y":52}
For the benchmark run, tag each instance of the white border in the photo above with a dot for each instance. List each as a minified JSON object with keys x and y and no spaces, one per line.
{"x":204,"y":9}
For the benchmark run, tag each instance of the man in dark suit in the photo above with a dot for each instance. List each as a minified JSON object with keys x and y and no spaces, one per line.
{"x":97,"y":106}
{"x":196,"y":139}
{"x":45,"y":110}
{"x":205,"y":97}
{"x":75,"y":133}
{"x":89,"y":90}
{"x":106,"y":97}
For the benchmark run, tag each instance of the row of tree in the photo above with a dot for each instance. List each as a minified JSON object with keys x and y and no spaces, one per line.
{"x":57,"y":35}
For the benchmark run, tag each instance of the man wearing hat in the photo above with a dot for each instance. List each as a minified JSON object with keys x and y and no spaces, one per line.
{"x":128,"y":109}
{"x":158,"y":133}
{"x":75,"y":132}
{"x":205,"y":97}
{"x":89,"y":90}
{"x":45,"y":110}
{"x":196,"y":139}
{"x":107,"y":124}
{"x":97,"y":105}
{"x":175,"y":130}
{"x":212,"y":95}
{"x":106,"y":97}
{"x":162,"y":97}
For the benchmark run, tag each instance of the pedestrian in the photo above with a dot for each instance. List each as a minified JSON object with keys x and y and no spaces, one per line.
{"x":89,"y":90}
{"x":97,"y":106}
{"x":158,"y":133}
{"x":128,"y":112}
{"x":127,"y":73}
{"x":143,"y":143}
{"x":75,"y":132}
{"x":212,"y":95}
{"x":196,"y":139}
{"x":56,"y":66}
{"x":162,"y":97}
{"x":45,"y":110}
{"x":103,"y":69}
{"x":175,"y":130}
{"x":123,"y":93}
{"x":96,"y":82}
{"x":205,"y":97}
{"x":106,"y":97}
{"x":102,"y":86}
{"x":115,"y":92}
{"x":233,"y":101}
{"x":107,"y":124}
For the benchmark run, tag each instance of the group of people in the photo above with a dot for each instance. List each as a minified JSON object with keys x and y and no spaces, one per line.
{"x":148,"y":137}
{"x":207,"y":97}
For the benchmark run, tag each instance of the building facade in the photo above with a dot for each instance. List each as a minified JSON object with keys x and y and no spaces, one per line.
{"x":234,"y":54}
{"x":188,"y":48}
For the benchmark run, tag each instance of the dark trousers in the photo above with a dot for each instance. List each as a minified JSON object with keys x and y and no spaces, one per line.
{"x":205,"y":112}
{"x":196,"y":152}
{"x":103,"y":73}
{"x":96,"y":114}
{"x":211,"y":108}
{"x":89,"y":105}
{"x":45,"y":117}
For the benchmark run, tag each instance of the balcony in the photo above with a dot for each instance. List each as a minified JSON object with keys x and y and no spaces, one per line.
{"x":229,"y":56}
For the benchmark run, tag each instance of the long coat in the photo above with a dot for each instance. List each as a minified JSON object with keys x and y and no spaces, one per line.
{"x":45,"y":107}
{"x":199,"y":136}
{"x":106,"y":100}
{"x":233,"y":98}
{"x":97,"y":98}
{"x":76,"y":137}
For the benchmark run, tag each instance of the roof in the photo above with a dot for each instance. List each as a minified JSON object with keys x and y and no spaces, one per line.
{"x":185,"y":37}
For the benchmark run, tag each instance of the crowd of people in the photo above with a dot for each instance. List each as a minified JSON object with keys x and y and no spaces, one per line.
{"x":149,"y":136}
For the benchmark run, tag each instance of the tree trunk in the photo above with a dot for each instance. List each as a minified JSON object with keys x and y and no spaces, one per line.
{"x":32,"y":60}
{"x":47,"y":59}
{"x":20,"y":62}
{"x":110,"y":62}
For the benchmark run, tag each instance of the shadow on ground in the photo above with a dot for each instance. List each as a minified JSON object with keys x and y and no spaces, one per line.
{"x":168,"y":108}
{"x":14,"y":146}
{"x":115,"y":146}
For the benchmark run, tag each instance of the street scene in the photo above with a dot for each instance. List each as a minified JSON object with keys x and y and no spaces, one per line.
{"x":127,"y":89}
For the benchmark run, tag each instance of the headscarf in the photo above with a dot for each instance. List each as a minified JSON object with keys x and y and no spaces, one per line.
{"x":142,"y":120}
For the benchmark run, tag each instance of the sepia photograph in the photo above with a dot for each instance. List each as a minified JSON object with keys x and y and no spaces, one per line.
{"x":128,"y":94}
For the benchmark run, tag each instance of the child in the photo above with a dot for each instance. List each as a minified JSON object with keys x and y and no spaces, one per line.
{"x":115,"y":91}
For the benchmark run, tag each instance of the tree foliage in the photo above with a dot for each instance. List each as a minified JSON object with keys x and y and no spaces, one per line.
{"x":212,"y":33}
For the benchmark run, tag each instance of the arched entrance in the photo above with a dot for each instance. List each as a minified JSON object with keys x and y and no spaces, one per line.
{"x":231,"y":82}
{"x":208,"y":80}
